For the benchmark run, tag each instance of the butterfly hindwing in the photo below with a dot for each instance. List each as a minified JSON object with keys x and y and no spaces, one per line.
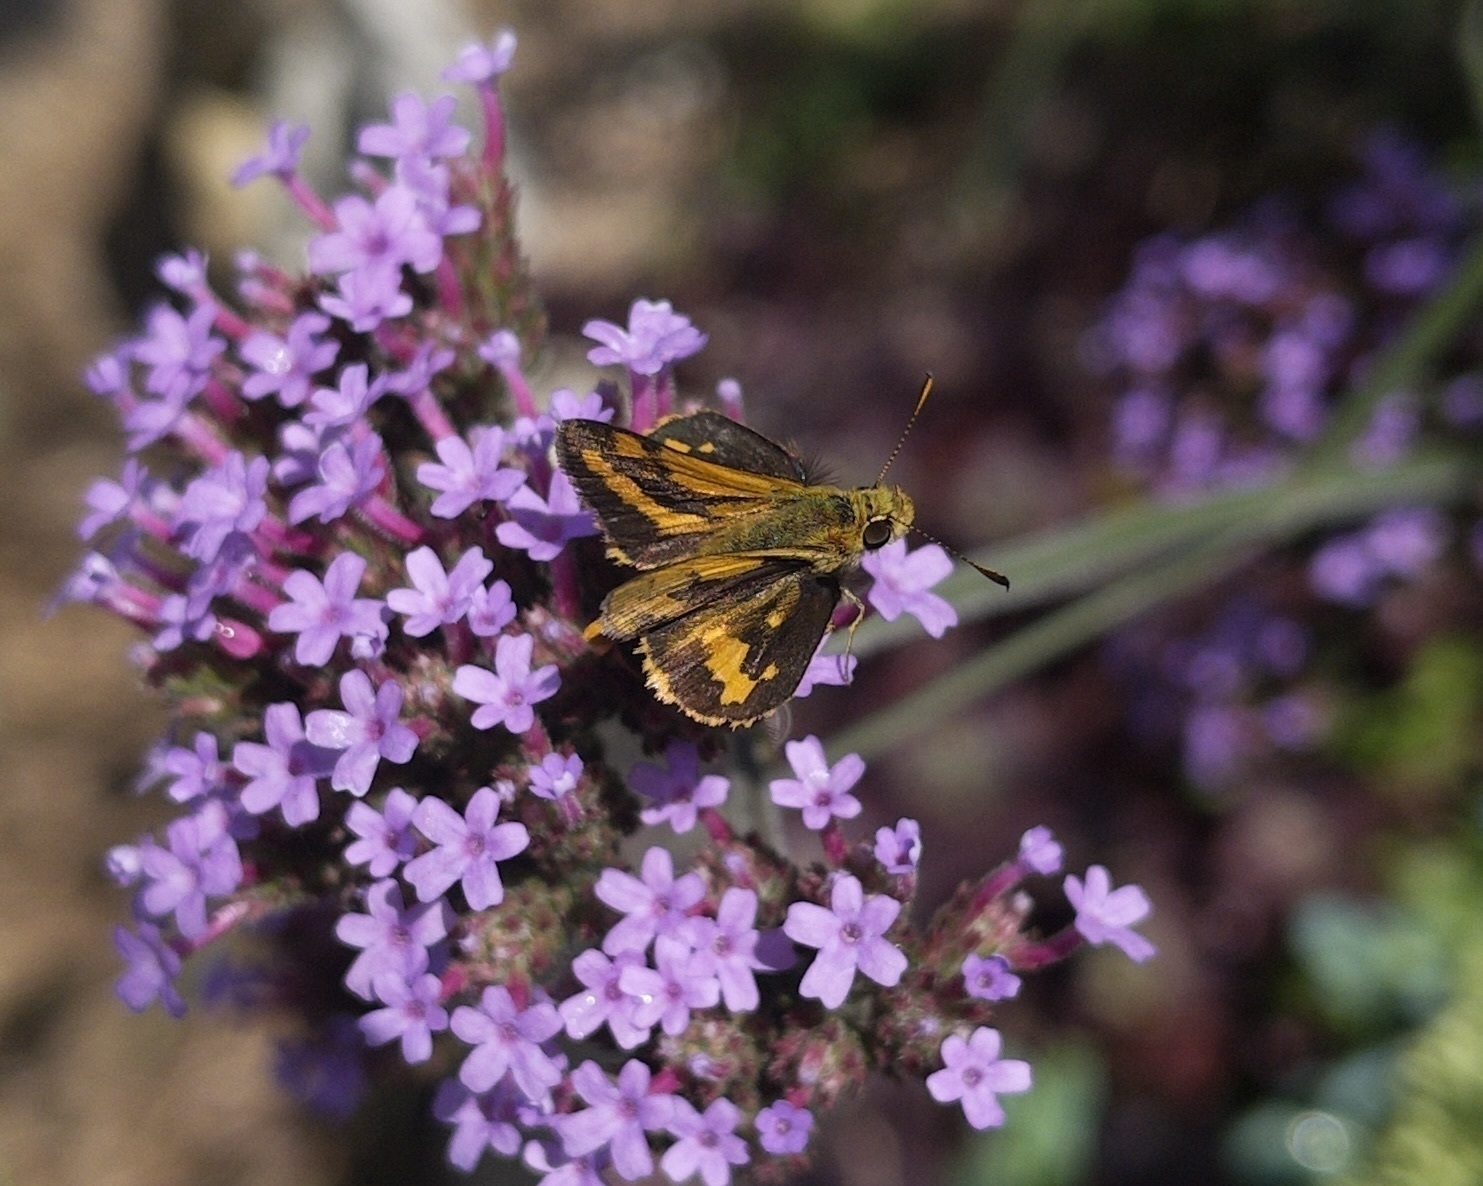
{"x":744,"y":650}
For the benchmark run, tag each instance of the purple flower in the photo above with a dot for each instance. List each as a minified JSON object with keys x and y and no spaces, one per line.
{"x":542,"y":526}
{"x":556,"y":776}
{"x":676,"y":789}
{"x":653,"y":904}
{"x":491,"y":609}
{"x":322,"y":613}
{"x":566,"y":404}
{"x":783,"y":1129}
{"x":179,"y":620}
{"x":285,"y":143}
{"x":367,"y":731}
{"x":821,"y":791}
{"x":1388,"y":436}
{"x":1040,"y":851}
{"x":367,"y":296}
{"x":1345,"y":570}
{"x":109,"y":501}
{"x":152,"y":966}
{"x":618,"y":1116}
{"x":667,"y":992}
{"x":348,"y":401}
{"x":902,"y":581}
{"x":348,"y":476}
{"x":1407,"y":541}
{"x":988,"y":978}
{"x":283,"y":772}
{"x":411,"y":1013}
{"x":507,"y":1039}
{"x":975,"y":1075}
{"x":899,"y":849}
{"x":726,"y":948}
{"x":480,"y":1122}
{"x":178,"y":352}
{"x":849,"y":935}
{"x":1140,"y":422}
{"x":467,"y":476}
{"x":325,"y":1069}
{"x":505,"y":695}
{"x":602,"y":999}
{"x":393,"y":939}
{"x":226,"y":499}
{"x":481,"y":63}
{"x":196,"y":772}
{"x":469,"y":849}
{"x":656,"y":335}
{"x":1107,"y":915}
{"x":437,"y":597}
{"x":707,"y":1145}
{"x":835,"y":670}
{"x":417,"y":129}
{"x":375,"y":239}
{"x":285,"y":367}
{"x":1294,"y":721}
{"x":201,"y":861}
{"x":386,"y":836}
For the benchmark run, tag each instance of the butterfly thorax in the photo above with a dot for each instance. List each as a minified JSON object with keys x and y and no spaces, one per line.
{"x":829,"y":526}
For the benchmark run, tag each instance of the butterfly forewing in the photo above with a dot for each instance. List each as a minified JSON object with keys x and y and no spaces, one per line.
{"x":656,"y":503}
{"x":714,"y":437}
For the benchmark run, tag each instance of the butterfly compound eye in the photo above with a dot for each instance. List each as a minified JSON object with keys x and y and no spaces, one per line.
{"x":877,"y":534}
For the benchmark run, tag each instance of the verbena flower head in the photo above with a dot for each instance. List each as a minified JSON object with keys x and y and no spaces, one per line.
{"x":398,"y":762}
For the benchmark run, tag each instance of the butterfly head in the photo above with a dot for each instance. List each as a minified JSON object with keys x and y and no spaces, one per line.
{"x":886,"y":514}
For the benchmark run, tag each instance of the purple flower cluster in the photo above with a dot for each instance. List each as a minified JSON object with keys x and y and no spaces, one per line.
{"x":1228,"y":351}
{"x":1228,"y":354}
{"x":364,"y":586}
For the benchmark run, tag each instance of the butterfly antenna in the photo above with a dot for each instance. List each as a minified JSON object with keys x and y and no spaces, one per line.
{"x":997,"y":577}
{"x":915,"y":412}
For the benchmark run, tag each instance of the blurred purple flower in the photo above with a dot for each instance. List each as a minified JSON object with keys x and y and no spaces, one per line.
{"x":417,"y":129}
{"x":676,"y":789}
{"x":285,"y":367}
{"x":1107,"y":915}
{"x":656,"y":335}
{"x":466,"y":476}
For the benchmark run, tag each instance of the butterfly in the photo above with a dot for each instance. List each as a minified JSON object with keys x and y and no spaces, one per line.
{"x":742,"y":558}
